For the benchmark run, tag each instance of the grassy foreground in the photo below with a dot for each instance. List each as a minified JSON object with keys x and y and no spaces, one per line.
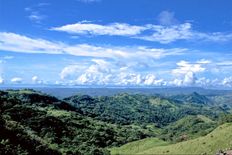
{"x":220,"y":138}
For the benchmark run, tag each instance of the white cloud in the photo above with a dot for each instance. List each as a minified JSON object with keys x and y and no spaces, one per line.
{"x":102,"y":72}
{"x":176,"y":82}
{"x":227,"y":82}
{"x":189,"y":79}
{"x":212,"y":37}
{"x":184,"y":67}
{"x":168,"y":34}
{"x":36,"y":17}
{"x":119,"y":29}
{"x":8,"y":57}
{"x":129,"y":79}
{"x":5,"y":58}
{"x":34,"y":12}
{"x":185,"y":72}
{"x":1,"y":80}
{"x":19,"y":43}
{"x":16,"y":80}
{"x":159,"y":33}
{"x":99,"y":72}
{"x":203,"y":61}
{"x":224,"y":63}
{"x":35,"y":79}
{"x":165,"y":33}
{"x":69,"y":71}
{"x":121,"y":52}
{"x":204,"y":82}
{"x":149,"y":79}
{"x":167,"y":18}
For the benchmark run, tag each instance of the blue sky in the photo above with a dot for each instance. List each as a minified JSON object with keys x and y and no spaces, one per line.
{"x":116,"y":42}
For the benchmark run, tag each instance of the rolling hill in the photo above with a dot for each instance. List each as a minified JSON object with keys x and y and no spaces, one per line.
{"x":137,"y":108}
{"x":188,"y":127}
{"x":32,"y":122}
{"x":220,"y":138}
{"x":35,"y":123}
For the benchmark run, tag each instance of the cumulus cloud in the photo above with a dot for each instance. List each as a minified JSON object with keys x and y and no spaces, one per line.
{"x":185,"y":72}
{"x":36,"y":80}
{"x":130,"y":79}
{"x":176,"y":82}
{"x":16,"y":80}
{"x":99,"y":72}
{"x":69,"y":71}
{"x":184,"y":67}
{"x":227,"y":81}
{"x":189,"y":79}
{"x":102,"y":72}
{"x":204,"y":82}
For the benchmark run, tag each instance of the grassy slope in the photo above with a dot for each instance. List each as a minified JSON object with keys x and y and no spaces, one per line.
{"x":205,"y":119}
{"x":220,"y":138}
{"x":138,"y":146}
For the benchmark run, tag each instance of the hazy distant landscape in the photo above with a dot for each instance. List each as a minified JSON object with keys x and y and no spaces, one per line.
{"x":62,"y":92}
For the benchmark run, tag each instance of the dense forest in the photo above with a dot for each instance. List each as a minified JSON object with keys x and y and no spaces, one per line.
{"x":32,"y":122}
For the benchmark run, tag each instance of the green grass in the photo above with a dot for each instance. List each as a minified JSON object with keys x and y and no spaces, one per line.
{"x":159,"y":101}
{"x":205,"y":119}
{"x":138,"y":146}
{"x":220,"y":138}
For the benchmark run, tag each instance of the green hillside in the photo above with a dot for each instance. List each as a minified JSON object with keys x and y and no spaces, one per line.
{"x":193,"y":98}
{"x":188,"y":127}
{"x":138,"y":146}
{"x":32,"y":122}
{"x":139,"y":109}
{"x":220,"y":138}
{"x":35,"y":123}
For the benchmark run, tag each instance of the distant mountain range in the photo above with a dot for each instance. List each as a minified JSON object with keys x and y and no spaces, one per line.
{"x":66,"y":91}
